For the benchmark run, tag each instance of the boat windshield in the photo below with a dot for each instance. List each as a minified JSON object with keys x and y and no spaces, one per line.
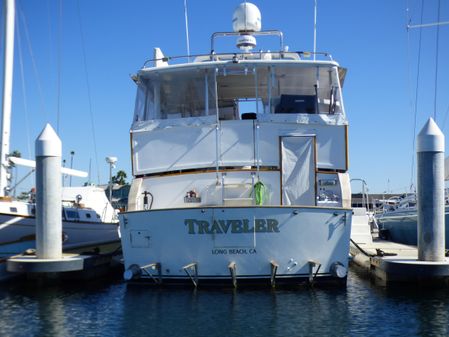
{"x":238,"y":91}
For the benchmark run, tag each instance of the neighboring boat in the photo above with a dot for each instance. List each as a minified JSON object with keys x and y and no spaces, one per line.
{"x":89,"y":220}
{"x":89,"y":223}
{"x":398,"y":220}
{"x":240,"y":167}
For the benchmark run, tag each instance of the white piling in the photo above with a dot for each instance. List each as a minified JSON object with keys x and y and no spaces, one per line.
{"x":430,"y":183}
{"x":48,"y":195}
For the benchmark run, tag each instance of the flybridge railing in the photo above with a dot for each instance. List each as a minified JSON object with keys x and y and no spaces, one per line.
{"x":244,"y":56}
{"x":261,"y":33}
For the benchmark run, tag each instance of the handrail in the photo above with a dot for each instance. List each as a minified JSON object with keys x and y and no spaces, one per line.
{"x":216,"y":56}
{"x":261,"y":33}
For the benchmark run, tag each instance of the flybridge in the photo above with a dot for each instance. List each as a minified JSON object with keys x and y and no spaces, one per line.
{"x":247,"y":24}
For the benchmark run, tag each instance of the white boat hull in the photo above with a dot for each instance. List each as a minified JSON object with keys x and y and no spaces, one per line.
{"x":17,"y":234}
{"x":303,"y":242}
{"x":19,"y":231}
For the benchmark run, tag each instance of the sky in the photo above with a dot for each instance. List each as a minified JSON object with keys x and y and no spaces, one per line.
{"x":74,"y":60}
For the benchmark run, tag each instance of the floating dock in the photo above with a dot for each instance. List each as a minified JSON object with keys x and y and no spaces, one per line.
{"x":427,"y":263}
{"x":48,"y":261}
{"x":71,"y":266}
{"x":392,"y":263}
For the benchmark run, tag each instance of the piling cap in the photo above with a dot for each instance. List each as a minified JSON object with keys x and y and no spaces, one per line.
{"x":48,"y":143}
{"x":430,"y":138}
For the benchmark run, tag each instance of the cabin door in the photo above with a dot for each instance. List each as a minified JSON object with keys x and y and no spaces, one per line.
{"x":298,"y":170}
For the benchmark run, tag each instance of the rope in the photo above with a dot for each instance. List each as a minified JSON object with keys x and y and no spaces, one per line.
{"x":436,"y":64}
{"x":88,"y":91}
{"x":364,"y":252}
{"x":416,"y":92}
{"x":445,"y":116}
{"x":59,"y":65}
{"x":24,"y":92}
{"x":33,"y":62}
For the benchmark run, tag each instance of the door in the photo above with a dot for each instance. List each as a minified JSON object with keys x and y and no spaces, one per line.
{"x":298,"y":170}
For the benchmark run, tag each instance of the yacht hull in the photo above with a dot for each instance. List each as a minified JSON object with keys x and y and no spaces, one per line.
{"x":17,"y":234}
{"x":20,"y":229}
{"x":231,"y":245}
{"x":402,"y":226}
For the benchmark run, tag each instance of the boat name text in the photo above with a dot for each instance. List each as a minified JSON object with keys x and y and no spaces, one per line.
{"x":231,"y":226}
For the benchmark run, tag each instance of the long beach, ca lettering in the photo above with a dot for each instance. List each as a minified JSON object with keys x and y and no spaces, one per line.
{"x":195,"y":226}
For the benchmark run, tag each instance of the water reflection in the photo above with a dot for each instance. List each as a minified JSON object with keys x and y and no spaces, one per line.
{"x":51,"y":317}
{"x":362,"y":309}
{"x":169,"y":312}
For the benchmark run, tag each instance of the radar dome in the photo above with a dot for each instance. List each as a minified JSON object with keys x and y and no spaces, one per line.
{"x":246,"y":18}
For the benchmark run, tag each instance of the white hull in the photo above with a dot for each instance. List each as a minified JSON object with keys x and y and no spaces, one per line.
{"x":19,"y":231}
{"x":296,"y":239}
{"x":17,"y":234}
{"x":240,"y":169}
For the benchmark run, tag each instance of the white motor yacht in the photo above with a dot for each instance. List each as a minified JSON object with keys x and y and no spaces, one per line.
{"x":240,"y":166}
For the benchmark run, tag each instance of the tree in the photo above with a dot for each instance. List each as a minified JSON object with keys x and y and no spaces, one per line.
{"x":119,"y":178}
{"x":15,"y":153}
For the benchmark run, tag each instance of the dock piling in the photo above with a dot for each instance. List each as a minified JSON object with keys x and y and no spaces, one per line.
{"x":425,"y":264}
{"x":430,"y":184}
{"x":48,"y":195}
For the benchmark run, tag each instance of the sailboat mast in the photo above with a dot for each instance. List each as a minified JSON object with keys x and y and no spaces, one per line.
{"x":7,"y":93}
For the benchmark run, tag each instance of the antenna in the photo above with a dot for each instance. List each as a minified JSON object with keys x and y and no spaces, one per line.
{"x":314,"y":28}
{"x":187,"y":30}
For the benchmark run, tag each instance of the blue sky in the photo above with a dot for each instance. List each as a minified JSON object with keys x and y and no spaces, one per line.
{"x":367,"y":37}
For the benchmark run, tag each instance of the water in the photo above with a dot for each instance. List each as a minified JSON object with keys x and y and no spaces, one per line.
{"x":115,"y":309}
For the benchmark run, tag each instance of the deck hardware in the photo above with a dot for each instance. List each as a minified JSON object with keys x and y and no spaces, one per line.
{"x":337,"y":269}
{"x":295,"y":212}
{"x":188,"y":269}
{"x":291,"y":264}
{"x":312,"y":276}
{"x":147,"y":270}
{"x":133,"y":272}
{"x":274,"y":268}
{"x":232,"y":268}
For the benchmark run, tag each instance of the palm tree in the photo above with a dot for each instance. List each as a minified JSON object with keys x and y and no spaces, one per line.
{"x":119,"y":178}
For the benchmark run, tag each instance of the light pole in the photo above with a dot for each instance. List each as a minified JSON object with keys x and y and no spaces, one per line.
{"x":111,"y":161}
{"x":72,"y":153}
{"x":64,"y":175}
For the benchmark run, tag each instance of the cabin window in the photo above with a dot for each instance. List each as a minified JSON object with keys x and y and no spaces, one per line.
{"x":305,"y":90}
{"x":175,"y":94}
{"x":88,"y":215}
{"x":13,"y":209}
{"x":242,"y":91}
{"x":72,"y":215}
{"x":236,"y":90}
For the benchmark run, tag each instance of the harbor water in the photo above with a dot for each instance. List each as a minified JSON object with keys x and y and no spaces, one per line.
{"x":116,"y":309}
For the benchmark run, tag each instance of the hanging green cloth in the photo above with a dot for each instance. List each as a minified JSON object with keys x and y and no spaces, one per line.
{"x":259,"y":193}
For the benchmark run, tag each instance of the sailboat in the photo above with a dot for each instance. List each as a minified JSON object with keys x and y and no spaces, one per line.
{"x":89,"y":220}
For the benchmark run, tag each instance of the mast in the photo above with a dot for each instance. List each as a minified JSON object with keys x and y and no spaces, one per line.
{"x":7,"y":93}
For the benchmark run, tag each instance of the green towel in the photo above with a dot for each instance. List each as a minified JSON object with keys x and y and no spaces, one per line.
{"x":259,"y":190}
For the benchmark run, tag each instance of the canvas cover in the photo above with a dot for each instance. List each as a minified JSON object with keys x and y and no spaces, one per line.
{"x":298,"y":170}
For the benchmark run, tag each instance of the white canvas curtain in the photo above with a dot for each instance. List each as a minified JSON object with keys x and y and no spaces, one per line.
{"x":298,"y":170}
